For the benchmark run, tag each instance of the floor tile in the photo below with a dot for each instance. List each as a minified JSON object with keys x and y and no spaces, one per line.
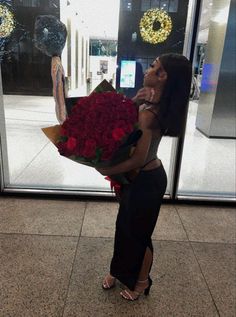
{"x":218,"y":264}
{"x":209,"y":224}
{"x":169,"y":226}
{"x":35,"y":273}
{"x":41,"y":216}
{"x":179,"y":288}
{"x":100,"y":218}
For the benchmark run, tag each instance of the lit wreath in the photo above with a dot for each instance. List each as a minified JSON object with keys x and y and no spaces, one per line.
{"x":7,"y":21}
{"x":147,"y":32}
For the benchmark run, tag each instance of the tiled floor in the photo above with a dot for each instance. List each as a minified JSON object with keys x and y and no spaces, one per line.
{"x":54,"y":254}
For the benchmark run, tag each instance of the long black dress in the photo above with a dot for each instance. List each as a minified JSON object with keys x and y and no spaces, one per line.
{"x":136,"y":220}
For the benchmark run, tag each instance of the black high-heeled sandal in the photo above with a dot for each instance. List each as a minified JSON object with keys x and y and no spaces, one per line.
{"x":106,"y":285}
{"x":134,"y":295}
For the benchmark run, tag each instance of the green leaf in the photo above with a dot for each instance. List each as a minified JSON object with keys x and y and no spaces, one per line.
{"x":121,"y":91}
{"x":63,"y":138}
{"x":98,"y":156}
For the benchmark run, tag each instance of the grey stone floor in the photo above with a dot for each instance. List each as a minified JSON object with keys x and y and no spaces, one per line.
{"x":54,"y":254}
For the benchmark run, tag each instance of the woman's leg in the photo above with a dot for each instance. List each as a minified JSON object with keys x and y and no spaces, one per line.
{"x":135,"y":224}
{"x":143,"y":274}
{"x":146,"y":265}
{"x":108,"y":282}
{"x":143,"y":278}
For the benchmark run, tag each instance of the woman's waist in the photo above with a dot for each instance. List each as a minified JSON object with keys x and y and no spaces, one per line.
{"x":154,"y":164}
{"x":151,"y":164}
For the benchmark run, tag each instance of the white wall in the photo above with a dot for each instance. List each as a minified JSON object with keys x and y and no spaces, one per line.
{"x":95,"y":68}
{"x":77,"y":71}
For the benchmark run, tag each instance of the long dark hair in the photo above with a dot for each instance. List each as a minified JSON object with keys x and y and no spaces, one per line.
{"x":175,"y":97}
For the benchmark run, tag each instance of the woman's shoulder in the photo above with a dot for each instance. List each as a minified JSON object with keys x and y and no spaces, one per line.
{"x":146,"y":110}
{"x":148,"y":117}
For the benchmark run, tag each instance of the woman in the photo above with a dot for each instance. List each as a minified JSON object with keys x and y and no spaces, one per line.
{"x":166,"y":92}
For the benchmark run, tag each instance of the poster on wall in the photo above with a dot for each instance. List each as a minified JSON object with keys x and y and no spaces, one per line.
{"x":104,"y":67}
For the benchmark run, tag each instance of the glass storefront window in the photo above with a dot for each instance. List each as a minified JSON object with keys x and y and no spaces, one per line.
{"x":28,"y":102}
{"x":91,"y":55}
{"x":209,"y":157}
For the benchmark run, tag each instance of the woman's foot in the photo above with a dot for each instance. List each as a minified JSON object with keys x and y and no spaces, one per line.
{"x":140,"y":287}
{"x":109,"y":282}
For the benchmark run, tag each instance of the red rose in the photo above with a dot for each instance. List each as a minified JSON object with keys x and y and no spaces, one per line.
{"x":118,"y":134}
{"x":71,"y":144}
{"x":106,"y":155}
{"x":100,"y":121}
{"x":89,"y":150}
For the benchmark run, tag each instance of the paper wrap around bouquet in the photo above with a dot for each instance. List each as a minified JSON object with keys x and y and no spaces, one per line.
{"x":101,"y":130}
{"x":49,"y":35}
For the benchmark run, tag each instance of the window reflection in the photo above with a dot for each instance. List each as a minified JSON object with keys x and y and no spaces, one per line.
{"x":155,"y":3}
{"x":36,"y":3}
{"x":146,"y":4}
{"x":164,"y":5}
{"x":53,"y":3}
{"x":173,"y":5}
{"x":27,"y":3}
{"x":167,"y":5}
{"x":127,"y":5}
{"x":103,"y":47}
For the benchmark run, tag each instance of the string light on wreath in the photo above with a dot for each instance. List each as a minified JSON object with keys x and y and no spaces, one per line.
{"x":147,"y":23}
{"x":7,"y":23}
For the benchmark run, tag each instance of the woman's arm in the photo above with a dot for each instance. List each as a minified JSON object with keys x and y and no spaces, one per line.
{"x":141,"y":150}
{"x":57,"y":74}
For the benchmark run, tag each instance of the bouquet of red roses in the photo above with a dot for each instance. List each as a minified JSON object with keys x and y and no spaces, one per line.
{"x":100,"y":130}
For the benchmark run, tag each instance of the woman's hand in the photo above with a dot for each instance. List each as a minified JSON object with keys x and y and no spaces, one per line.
{"x":139,"y":156}
{"x":148,"y":94}
{"x":104,"y":170}
{"x":145,"y":93}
